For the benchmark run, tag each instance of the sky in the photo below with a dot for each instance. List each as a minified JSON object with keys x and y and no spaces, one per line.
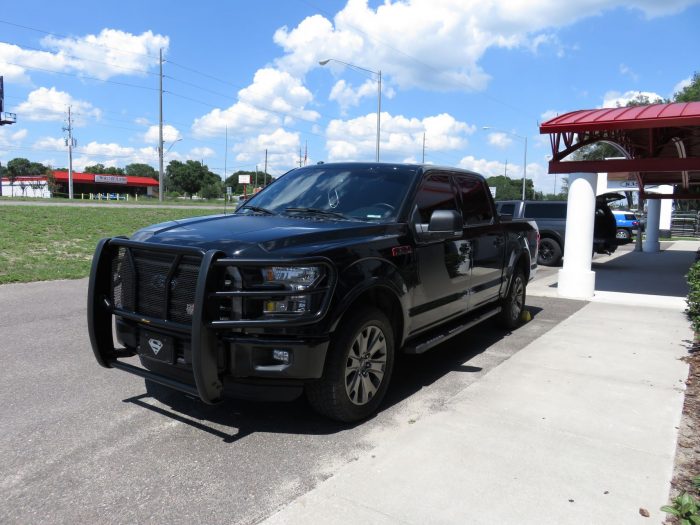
{"x":242,"y":77}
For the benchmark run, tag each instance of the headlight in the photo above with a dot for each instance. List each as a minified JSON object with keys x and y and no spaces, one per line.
{"x":296,"y":278}
{"x":293,"y":277}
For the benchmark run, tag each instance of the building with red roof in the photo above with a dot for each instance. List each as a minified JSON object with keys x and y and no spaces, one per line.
{"x":85,"y":184}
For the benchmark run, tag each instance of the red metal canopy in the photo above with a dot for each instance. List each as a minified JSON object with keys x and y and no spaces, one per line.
{"x":659,"y":143}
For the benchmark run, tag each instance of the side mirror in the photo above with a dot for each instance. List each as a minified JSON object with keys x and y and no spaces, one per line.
{"x":444,"y":224}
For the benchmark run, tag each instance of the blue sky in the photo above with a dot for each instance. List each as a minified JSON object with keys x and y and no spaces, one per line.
{"x":449,"y":69}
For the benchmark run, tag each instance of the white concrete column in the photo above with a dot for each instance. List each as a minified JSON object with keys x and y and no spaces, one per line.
{"x":666,"y":210}
{"x":651,"y":243}
{"x":576,"y":280}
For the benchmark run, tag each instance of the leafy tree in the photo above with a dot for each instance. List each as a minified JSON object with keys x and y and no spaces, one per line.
{"x":510,"y":189}
{"x":642,"y":100}
{"x":690,"y":93}
{"x":263,"y":180}
{"x":212,"y":190}
{"x":100,"y":169}
{"x":16,"y":168}
{"x":141,"y":170}
{"x":189,"y":177}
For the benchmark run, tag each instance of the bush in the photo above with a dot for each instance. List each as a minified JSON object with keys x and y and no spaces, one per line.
{"x":693,"y":299}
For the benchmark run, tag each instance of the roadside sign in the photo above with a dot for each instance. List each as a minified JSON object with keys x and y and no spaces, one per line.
{"x":244,"y":179}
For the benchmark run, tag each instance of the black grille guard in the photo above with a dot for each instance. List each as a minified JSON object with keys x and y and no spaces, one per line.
{"x":208,"y":383}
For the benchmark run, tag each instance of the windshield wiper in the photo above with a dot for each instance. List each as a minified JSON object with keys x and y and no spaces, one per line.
{"x":318,"y":211}
{"x":258,"y":209}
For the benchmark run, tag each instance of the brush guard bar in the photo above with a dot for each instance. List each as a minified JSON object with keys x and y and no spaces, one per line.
{"x":204,"y":329}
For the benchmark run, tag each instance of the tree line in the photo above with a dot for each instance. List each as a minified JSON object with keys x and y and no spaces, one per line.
{"x":187,"y":178}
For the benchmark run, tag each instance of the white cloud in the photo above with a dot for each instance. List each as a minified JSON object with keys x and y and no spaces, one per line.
{"x":170,"y":134}
{"x":108,"y":54}
{"x":500,"y":140}
{"x":49,"y":143}
{"x":681,"y":85}
{"x":282,"y":150}
{"x":493,"y":168}
{"x":549,"y":114}
{"x":12,"y":138}
{"x":625,"y":70}
{"x":52,"y":105}
{"x":401,"y":137}
{"x":201,"y":153}
{"x":275,"y":97}
{"x":450,"y":37}
{"x":614,"y":99}
{"x":344,"y":94}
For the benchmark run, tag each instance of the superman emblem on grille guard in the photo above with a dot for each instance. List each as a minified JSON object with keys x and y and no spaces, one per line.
{"x":156,"y":345}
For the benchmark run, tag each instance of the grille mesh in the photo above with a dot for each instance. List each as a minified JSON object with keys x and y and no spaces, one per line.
{"x":139,"y":280}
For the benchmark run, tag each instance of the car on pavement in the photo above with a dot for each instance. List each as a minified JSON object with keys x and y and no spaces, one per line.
{"x":627,"y":223}
{"x":551,"y":222}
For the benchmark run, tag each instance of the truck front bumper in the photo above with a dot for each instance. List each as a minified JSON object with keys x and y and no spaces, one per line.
{"x":199,"y":356}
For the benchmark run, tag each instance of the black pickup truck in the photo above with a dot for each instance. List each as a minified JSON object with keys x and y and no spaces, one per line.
{"x":313,"y":284}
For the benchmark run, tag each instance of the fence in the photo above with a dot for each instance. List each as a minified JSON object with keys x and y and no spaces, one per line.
{"x":685,"y":224}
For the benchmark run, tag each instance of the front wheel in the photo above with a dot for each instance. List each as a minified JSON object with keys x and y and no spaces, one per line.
{"x":358,"y":368}
{"x":513,"y":303}
{"x":549,"y":252}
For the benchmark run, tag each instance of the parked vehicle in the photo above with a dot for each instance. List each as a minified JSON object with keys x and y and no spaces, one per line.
{"x":314,"y":283}
{"x":627,"y":224}
{"x":551,"y":222}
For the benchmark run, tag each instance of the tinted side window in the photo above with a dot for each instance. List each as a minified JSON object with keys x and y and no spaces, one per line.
{"x":435,"y":194}
{"x":475,"y":202}
{"x":545,"y":211}
{"x":507,"y":209}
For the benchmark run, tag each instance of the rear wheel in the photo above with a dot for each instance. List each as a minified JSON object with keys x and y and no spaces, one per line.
{"x":513,"y":303}
{"x":549,"y":252}
{"x":623,"y":235}
{"x":358,"y":368}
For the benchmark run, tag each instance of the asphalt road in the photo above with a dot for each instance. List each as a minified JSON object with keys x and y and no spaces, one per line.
{"x":81,"y":444}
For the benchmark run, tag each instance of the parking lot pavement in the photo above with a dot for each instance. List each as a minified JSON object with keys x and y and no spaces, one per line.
{"x":81,"y":444}
{"x":580,"y":427}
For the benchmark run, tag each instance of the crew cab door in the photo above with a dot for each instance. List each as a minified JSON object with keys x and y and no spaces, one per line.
{"x":444,"y":264}
{"x":485,"y":237}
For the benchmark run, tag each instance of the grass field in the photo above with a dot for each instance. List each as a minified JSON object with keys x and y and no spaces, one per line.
{"x":39,"y":243}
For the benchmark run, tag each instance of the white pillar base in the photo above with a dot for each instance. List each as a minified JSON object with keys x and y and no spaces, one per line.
{"x":576,"y":285}
{"x":651,"y":246}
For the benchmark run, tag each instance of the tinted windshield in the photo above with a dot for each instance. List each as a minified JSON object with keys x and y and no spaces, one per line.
{"x":372,"y":193}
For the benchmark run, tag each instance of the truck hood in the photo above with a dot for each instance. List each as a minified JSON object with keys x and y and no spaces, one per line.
{"x":257,"y":235}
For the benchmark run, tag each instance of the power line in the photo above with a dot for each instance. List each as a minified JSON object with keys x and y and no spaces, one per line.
{"x":82,"y":76}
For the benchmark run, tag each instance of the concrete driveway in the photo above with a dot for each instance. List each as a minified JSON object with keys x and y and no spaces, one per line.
{"x":81,"y":444}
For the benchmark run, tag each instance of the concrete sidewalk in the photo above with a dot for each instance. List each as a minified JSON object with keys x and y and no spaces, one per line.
{"x":578,"y":427}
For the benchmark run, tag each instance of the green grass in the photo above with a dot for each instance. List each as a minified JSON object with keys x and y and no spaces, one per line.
{"x":144,"y":201}
{"x":40,"y":243}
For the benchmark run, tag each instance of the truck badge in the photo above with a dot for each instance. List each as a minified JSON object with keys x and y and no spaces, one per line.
{"x":155,"y":345}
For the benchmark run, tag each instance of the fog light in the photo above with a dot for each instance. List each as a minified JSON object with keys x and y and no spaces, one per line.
{"x":281,"y":355}
{"x":296,"y":304}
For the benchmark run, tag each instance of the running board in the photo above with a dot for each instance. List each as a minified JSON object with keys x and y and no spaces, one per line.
{"x":434,"y":338}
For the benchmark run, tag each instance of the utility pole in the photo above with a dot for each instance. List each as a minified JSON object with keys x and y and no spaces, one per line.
{"x":71,"y":143}
{"x":256,"y":178}
{"x":265,"y":166}
{"x":160,"y":132}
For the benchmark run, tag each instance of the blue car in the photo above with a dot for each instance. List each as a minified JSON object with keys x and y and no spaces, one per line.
{"x":627,"y":222}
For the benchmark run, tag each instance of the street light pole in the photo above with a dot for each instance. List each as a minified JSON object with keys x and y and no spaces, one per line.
{"x":524,"y":152}
{"x":379,"y":92}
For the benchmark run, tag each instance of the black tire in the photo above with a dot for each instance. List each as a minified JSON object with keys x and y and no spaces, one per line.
{"x":513,"y":304}
{"x":623,"y":235}
{"x":549,"y":252}
{"x":355,"y":378}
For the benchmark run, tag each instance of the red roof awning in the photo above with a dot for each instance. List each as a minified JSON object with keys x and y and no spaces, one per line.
{"x":89,"y":178}
{"x":678,"y":114}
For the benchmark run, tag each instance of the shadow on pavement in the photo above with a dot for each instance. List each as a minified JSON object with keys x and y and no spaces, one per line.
{"x":661,"y":273}
{"x":235,"y":419}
